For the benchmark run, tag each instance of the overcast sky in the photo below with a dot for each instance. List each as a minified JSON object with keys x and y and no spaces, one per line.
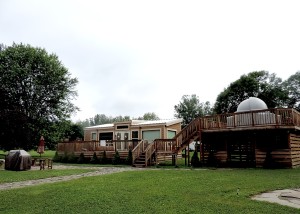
{"x":133,"y":57}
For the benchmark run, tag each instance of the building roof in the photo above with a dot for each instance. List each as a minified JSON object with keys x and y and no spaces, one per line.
{"x":156,"y":122}
{"x":138,"y":123}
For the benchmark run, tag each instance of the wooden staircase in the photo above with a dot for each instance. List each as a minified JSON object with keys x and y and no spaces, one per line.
{"x":143,"y":153}
{"x":140,"y":161}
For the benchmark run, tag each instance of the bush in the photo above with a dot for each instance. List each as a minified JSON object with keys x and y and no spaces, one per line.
{"x":269,"y":162}
{"x":104,"y":160}
{"x":72,"y":158}
{"x":81,"y":158}
{"x":65,"y":158}
{"x":56,"y":158}
{"x":94,"y":159}
{"x":195,"y":162}
{"x":128,"y":160}
{"x":116,"y":159}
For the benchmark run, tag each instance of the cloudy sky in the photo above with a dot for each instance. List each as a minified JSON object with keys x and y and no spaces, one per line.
{"x":133,"y":57}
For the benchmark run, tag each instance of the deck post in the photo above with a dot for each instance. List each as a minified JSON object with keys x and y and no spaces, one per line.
{"x":185,"y":156}
{"x":173,"y":160}
{"x":189,"y":155}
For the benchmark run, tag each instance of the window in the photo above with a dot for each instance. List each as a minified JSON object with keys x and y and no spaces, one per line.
{"x":151,"y":135}
{"x":118,"y":136}
{"x":135,"y":134}
{"x":94,"y":136}
{"x":171,"y":134}
{"x":122,"y":127}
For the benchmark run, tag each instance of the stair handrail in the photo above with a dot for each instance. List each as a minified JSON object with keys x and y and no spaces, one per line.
{"x":149,"y":152}
{"x":182,"y":137}
{"x":138,"y":150}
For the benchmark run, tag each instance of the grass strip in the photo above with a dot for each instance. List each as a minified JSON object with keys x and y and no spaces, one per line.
{"x":156,"y":191}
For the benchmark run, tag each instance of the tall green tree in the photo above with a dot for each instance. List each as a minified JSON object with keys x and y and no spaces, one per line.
{"x":292,"y":86}
{"x":149,"y":116}
{"x":74,"y":131}
{"x":36,"y":91}
{"x":190,"y":108}
{"x":261,"y":84}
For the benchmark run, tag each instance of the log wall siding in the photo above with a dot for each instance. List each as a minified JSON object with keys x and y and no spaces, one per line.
{"x":87,"y":135}
{"x":176,"y":127}
{"x":281,"y":158}
{"x":294,"y":141}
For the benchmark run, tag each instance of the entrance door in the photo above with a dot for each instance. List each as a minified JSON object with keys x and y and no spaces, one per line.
{"x":123,"y":137}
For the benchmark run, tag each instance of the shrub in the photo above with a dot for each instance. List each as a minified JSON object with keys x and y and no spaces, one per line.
{"x":56,"y":158}
{"x":65,"y":158}
{"x":72,"y":158}
{"x":94,"y":159}
{"x":81,"y":158}
{"x":103,"y":160}
{"x":195,"y":162}
{"x":116,"y":159}
{"x":269,"y":162}
{"x":211,"y":160}
{"x":129,"y":158}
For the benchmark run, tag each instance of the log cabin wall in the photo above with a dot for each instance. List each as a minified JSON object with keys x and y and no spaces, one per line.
{"x":294,"y":141}
{"x":260,"y":148}
{"x":272,"y":149}
{"x":214,"y":149}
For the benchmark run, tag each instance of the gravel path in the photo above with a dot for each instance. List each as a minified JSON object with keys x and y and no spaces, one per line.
{"x":99,"y":171}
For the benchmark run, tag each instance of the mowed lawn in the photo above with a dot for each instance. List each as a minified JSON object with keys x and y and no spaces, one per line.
{"x":156,"y":191}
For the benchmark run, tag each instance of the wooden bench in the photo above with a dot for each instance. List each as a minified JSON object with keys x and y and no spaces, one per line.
{"x":42,"y":162}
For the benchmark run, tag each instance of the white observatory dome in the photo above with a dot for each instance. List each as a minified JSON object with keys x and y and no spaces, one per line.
{"x":251,"y":104}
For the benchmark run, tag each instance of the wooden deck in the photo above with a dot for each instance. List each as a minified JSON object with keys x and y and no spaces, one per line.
{"x":269,"y":119}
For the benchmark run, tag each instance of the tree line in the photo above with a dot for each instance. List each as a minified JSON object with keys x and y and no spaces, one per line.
{"x":99,"y":119}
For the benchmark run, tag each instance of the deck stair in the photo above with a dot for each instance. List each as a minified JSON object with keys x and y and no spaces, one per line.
{"x":140,"y":161}
{"x":143,"y":154}
{"x":187,"y":135}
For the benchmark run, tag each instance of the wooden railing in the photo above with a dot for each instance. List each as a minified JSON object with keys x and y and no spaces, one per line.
{"x":122,"y":145}
{"x":164,"y":145}
{"x":139,"y":149}
{"x":184,"y":136}
{"x":278,"y":117}
{"x":149,"y":152}
{"x":258,"y":118}
{"x":77,"y":146}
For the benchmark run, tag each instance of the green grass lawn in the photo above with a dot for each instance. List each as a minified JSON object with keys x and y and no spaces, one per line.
{"x":156,"y":191}
{"x":34,"y":154}
{"x":46,"y":154}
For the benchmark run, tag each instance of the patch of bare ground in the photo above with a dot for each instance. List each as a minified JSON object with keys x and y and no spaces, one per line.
{"x":286,"y":197}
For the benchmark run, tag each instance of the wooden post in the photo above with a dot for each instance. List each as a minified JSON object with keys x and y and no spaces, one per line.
{"x":185,"y":156}
{"x":189,"y":155}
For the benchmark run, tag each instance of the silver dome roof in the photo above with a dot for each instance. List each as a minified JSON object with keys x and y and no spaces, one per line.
{"x":251,"y":104}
